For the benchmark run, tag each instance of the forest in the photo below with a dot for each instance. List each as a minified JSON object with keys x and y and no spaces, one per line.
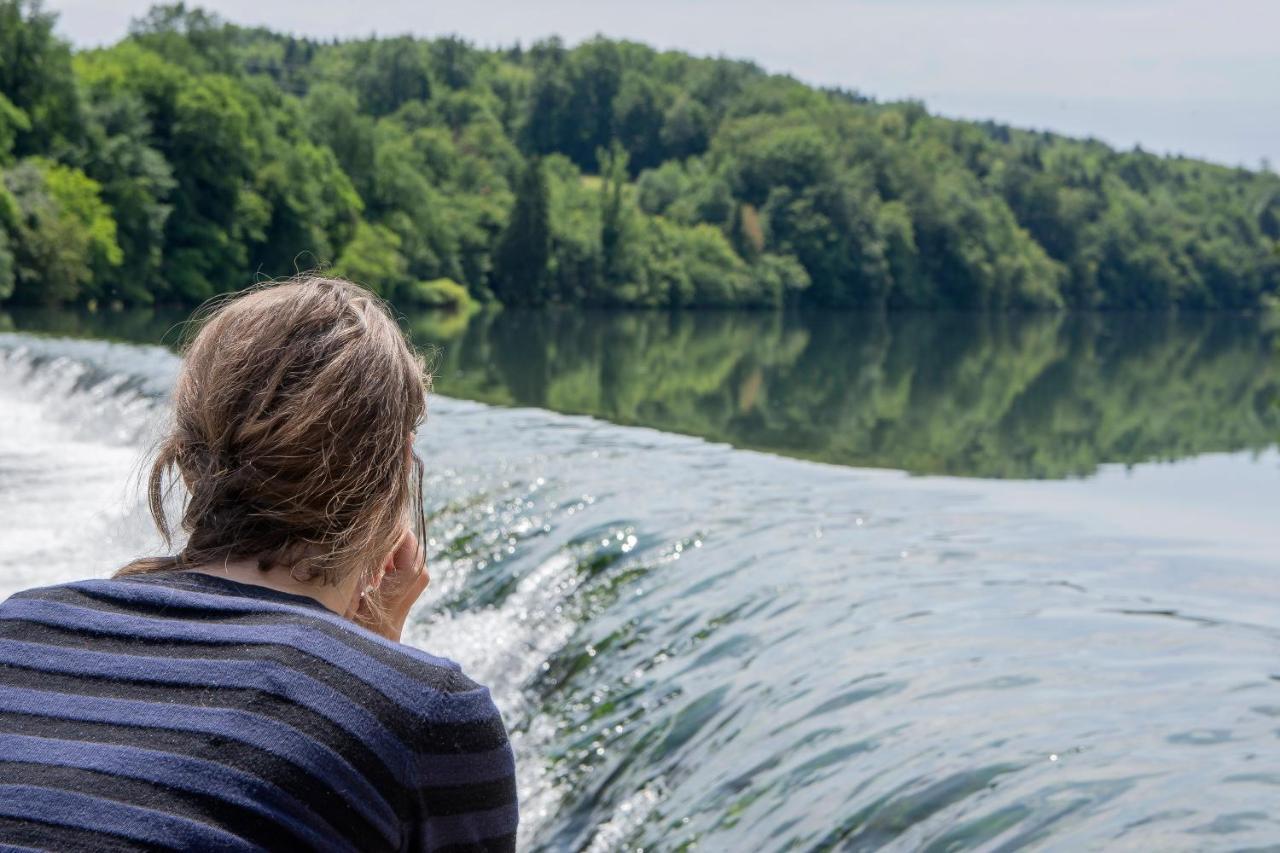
{"x":196,"y":156}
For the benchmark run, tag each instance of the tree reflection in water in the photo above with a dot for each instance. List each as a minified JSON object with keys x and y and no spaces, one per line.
{"x":973,"y":395}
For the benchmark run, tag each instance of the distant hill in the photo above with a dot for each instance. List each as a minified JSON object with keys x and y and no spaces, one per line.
{"x":195,"y":155}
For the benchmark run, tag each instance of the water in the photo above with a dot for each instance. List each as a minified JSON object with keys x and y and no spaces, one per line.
{"x":699,"y":645}
{"x":973,"y":395}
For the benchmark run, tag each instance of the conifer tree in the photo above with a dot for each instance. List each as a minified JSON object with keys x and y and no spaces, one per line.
{"x":520,"y":261}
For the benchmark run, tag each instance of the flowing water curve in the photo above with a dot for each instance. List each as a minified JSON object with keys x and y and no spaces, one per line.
{"x":702,"y":647}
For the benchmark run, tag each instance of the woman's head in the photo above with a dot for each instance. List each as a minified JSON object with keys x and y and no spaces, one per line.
{"x":293,"y":417}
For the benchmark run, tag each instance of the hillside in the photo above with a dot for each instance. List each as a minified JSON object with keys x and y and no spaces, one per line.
{"x":195,"y":155}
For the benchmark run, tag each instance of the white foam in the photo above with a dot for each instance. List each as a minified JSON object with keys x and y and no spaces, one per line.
{"x":68,"y":452}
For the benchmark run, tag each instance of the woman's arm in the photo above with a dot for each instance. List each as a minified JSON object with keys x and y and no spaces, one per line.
{"x":467,"y":785}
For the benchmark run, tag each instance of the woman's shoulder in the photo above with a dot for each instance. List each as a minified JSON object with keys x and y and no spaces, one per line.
{"x":184,"y":609}
{"x":262,"y":672}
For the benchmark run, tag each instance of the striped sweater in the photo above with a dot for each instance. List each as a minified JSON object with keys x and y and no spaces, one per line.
{"x":182,"y":710}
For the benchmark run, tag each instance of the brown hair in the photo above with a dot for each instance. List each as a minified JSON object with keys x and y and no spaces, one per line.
{"x":292,"y":417}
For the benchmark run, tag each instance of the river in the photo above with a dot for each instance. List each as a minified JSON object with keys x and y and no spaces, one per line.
{"x":763,"y":582}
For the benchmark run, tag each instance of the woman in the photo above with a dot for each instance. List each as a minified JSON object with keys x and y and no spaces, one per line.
{"x":251,"y":691}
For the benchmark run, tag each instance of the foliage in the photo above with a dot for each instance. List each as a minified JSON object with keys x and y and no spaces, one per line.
{"x":13,"y":121}
{"x":373,"y":258}
{"x":64,"y":232}
{"x":520,"y":260}
{"x":439,"y":293}
{"x":36,"y":79}
{"x":605,"y":174}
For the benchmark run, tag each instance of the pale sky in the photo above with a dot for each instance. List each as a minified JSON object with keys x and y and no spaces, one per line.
{"x":1196,"y":77}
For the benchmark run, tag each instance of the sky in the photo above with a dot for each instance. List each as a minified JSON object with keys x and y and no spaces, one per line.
{"x":1194,"y":77}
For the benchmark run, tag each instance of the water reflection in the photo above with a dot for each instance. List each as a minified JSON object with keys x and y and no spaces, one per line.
{"x":969,"y":395}
{"x":1001,"y":396}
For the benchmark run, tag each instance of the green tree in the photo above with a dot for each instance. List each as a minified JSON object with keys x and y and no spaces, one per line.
{"x":37,"y":78}
{"x":523,"y":252}
{"x":189,"y":37}
{"x":615,"y":217}
{"x":373,"y":258}
{"x":213,"y":151}
{"x":314,"y":209}
{"x":333,"y":119}
{"x":136,"y":182}
{"x":62,"y":232}
{"x":13,"y":121}
{"x":389,"y":73}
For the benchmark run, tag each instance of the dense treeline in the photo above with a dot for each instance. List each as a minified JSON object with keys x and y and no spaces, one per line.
{"x":195,"y":155}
